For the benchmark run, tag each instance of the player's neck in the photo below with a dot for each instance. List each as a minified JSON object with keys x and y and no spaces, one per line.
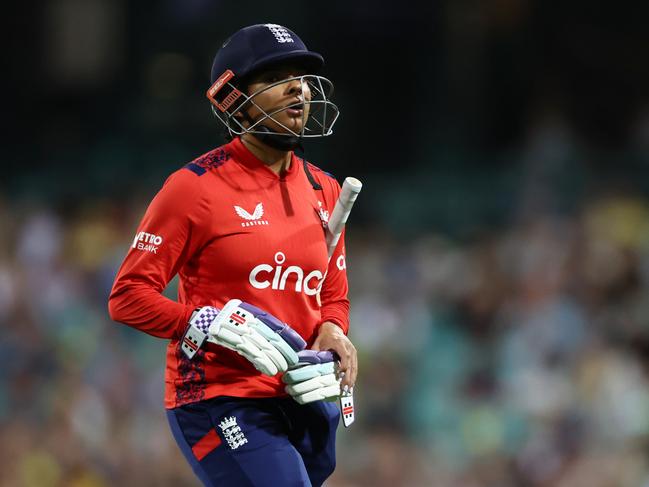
{"x":276,"y":160}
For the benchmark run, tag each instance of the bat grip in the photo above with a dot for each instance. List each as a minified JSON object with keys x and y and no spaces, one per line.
{"x":348,"y":193}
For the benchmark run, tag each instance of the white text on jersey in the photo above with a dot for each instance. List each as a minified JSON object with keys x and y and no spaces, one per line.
{"x":260,"y":277}
{"x":147,"y":242}
{"x":251,"y":219}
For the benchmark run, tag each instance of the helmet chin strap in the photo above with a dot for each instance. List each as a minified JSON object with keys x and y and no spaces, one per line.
{"x":279,"y":142}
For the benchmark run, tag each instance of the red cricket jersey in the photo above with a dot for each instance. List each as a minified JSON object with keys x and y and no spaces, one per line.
{"x":232,"y":228}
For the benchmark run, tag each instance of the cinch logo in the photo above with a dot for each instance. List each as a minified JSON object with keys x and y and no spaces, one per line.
{"x":261,"y":275}
{"x":147,"y":242}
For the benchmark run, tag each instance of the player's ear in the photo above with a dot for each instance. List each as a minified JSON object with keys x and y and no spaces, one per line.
{"x":241,"y":114}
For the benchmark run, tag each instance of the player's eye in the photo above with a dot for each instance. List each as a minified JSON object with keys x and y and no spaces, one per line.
{"x":272,"y":77}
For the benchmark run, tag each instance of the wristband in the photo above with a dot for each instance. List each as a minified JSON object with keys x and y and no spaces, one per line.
{"x":196,"y":332}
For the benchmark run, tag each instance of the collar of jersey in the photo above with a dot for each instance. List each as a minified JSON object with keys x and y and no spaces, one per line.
{"x":246,"y":158}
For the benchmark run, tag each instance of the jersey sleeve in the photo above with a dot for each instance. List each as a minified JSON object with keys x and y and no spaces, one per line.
{"x":171,"y":231}
{"x":335,"y":303}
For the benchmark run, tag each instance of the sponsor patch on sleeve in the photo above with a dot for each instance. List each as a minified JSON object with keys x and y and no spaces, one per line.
{"x":147,"y":242}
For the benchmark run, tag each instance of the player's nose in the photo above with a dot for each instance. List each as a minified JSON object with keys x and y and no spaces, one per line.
{"x":294,"y":87}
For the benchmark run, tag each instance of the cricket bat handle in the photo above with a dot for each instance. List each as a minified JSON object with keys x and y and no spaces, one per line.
{"x":350,"y":189}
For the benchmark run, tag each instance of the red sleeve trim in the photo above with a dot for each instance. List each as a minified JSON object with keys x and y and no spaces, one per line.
{"x":338,"y":313}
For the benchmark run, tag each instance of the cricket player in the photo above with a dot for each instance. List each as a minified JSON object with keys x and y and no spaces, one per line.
{"x":257,"y":338}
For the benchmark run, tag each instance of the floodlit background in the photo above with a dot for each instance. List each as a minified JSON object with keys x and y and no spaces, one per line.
{"x":498,"y":255}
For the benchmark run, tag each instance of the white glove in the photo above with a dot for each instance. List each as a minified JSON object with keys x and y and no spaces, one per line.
{"x":270,"y":345}
{"x":314,"y":378}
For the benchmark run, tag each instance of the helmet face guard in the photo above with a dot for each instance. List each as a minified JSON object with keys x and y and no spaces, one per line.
{"x":230,"y":106}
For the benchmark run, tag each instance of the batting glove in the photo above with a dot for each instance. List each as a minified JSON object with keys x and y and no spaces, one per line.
{"x":314,"y":378}
{"x":269,"y":344}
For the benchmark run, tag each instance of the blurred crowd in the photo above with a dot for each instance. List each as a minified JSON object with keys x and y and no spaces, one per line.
{"x":517,"y":356}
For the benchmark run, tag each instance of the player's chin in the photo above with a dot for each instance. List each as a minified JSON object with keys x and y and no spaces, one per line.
{"x":290,"y":124}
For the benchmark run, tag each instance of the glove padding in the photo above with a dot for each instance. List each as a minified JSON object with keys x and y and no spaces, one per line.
{"x":314,"y":378}
{"x":269,"y":344}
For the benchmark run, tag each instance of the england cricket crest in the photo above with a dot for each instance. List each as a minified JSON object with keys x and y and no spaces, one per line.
{"x":347,"y":409}
{"x":232,"y":433}
{"x":323,"y":214}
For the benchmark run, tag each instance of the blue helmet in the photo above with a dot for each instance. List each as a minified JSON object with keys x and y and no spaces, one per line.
{"x":258,"y":46}
{"x":248,"y":52}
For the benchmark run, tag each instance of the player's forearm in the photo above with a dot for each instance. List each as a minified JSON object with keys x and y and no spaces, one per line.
{"x":138,"y":305}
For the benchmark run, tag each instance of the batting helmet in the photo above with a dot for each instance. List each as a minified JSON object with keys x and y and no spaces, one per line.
{"x":253,"y":48}
{"x":250,"y":51}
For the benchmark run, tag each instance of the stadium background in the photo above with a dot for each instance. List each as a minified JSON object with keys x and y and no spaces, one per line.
{"x":498,"y":256}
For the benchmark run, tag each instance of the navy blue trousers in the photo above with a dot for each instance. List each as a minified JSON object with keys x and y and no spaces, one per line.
{"x":244,"y":442}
